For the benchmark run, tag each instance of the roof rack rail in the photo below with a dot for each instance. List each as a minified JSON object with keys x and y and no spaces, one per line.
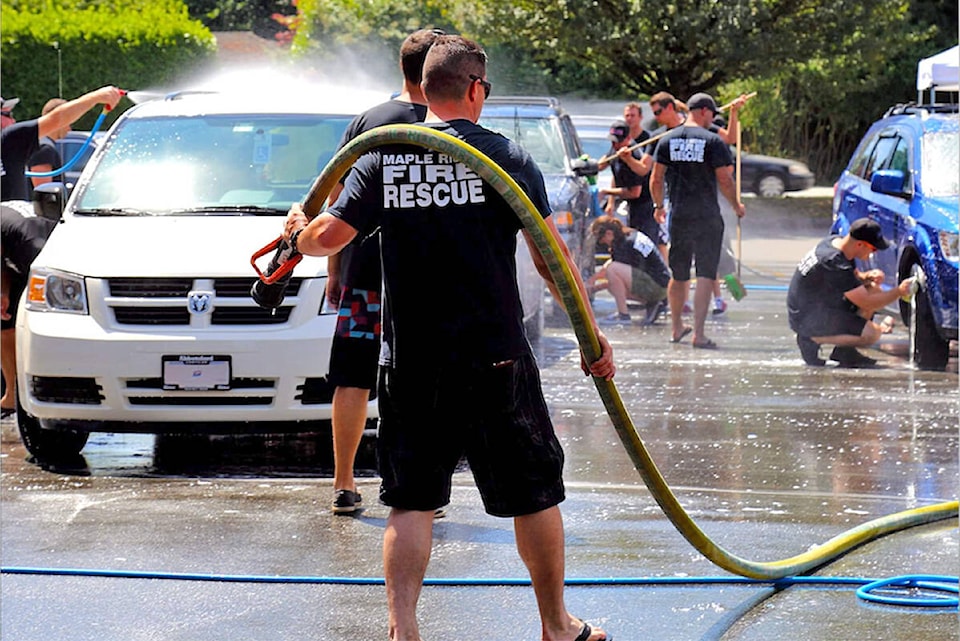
{"x":909,"y":108}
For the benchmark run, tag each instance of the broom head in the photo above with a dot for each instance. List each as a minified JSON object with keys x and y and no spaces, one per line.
{"x":735,"y":287}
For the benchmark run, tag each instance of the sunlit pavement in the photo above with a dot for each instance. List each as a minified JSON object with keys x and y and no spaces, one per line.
{"x":769,"y":456}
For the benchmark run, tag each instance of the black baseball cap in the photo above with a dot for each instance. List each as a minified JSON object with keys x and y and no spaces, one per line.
{"x":869,"y":232}
{"x":619,"y":131}
{"x":701,"y":101}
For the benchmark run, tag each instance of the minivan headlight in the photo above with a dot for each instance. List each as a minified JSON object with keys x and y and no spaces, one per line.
{"x":948,"y":245}
{"x":54,"y":291}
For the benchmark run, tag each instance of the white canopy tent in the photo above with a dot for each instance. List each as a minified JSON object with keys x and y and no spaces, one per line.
{"x":939,"y":73}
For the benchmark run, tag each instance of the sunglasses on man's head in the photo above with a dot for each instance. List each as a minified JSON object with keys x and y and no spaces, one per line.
{"x":483,"y":83}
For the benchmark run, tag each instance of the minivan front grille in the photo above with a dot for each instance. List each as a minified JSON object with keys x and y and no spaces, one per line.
{"x":136,"y":301}
{"x":149,"y":287}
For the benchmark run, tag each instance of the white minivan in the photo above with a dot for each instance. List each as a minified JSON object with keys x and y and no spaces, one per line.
{"x":139,"y":317}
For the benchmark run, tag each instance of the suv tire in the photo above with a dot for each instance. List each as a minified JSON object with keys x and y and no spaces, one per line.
{"x":931,"y":352}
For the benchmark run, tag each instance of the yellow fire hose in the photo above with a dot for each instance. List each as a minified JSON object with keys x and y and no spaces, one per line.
{"x":590,"y":345}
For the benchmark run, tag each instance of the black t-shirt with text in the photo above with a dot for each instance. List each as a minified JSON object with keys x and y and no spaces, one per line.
{"x":448,"y":247}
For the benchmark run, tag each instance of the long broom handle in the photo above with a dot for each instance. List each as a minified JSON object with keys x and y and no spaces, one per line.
{"x":646,"y":142}
{"x":739,"y":235}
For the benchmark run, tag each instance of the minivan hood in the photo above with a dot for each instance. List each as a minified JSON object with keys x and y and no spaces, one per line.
{"x":165,"y":246}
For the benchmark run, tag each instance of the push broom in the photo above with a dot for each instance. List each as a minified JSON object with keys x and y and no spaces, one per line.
{"x":733,"y":282}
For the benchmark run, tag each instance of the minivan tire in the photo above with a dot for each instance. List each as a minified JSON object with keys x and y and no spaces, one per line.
{"x":48,"y":445}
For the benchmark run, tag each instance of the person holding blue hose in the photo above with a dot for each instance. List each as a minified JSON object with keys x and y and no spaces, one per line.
{"x":19,"y":140}
{"x":458,"y":376}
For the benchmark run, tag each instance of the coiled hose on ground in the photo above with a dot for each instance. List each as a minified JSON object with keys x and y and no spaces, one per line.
{"x":590,"y":345}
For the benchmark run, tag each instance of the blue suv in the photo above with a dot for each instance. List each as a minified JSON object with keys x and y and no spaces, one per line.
{"x":904,"y":174}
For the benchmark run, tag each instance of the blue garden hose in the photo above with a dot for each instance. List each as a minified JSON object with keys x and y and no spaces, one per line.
{"x":927,"y":582}
{"x":70,"y":163}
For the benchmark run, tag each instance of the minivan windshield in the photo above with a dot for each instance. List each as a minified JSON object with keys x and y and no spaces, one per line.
{"x":229,"y":164}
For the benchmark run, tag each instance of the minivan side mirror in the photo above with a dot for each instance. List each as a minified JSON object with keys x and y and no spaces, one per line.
{"x":49,"y":199}
{"x":890,"y":181}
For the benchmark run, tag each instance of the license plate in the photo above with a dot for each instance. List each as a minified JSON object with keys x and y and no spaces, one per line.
{"x":196,"y":373}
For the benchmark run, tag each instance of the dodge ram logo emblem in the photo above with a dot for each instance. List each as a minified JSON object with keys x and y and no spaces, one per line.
{"x":199,"y":302}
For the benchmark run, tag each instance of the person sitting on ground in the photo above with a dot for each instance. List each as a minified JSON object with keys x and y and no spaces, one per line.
{"x":635,"y":271}
{"x":831,"y":302}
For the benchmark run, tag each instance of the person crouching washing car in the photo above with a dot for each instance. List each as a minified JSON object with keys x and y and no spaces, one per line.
{"x":831,"y":302}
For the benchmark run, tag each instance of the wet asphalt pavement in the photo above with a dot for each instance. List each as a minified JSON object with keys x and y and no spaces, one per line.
{"x":769,"y":456}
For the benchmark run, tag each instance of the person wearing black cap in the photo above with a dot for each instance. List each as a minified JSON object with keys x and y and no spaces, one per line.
{"x":831,"y":302}
{"x":626,"y":184}
{"x":691,"y":163}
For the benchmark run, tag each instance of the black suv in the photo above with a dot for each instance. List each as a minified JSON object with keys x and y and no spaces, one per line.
{"x":545,"y":130}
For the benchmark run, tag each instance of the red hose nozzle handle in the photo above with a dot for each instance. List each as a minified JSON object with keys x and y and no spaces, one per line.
{"x":285,"y":267}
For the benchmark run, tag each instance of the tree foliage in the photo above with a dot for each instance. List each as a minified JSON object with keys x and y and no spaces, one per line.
{"x":83,"y":45}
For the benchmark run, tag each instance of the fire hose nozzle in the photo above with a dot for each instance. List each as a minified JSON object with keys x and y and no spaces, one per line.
{"x":269,"y":288}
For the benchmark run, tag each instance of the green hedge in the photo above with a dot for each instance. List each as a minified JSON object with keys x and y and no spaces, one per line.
{"x":132,"y":44}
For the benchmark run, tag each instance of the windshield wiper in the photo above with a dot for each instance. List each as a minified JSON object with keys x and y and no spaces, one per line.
{"x":258,"y":210}
{"x":114,"y":211}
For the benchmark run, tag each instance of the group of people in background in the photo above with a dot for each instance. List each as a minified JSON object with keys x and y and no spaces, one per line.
{"x":681,"y":167}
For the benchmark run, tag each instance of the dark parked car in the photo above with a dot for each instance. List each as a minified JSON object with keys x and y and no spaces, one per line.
{"x":905,"y":174}
{"x":545,"y":130}
{"x":770,"y":177}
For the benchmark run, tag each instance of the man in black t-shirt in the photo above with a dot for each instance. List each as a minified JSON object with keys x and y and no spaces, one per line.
{"x":458,"y":377}
{"x":353,"y":286}
{"x":46,"y":158}
{"x":19,"y":140}
{"x":22,"y":236}
{"x":831,"y":302}
{"x":691,"y":163}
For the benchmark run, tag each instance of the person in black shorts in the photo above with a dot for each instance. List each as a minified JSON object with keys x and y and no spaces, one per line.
{"x":22,"y":236}
{"x":353,"y":286}
{"x":693,"y":162}
{"x":457,"y":376}
{"x":831,"y":302}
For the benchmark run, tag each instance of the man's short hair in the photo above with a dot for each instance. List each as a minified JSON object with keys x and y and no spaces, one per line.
{"x":413,"y":52}
{"x":450,"y":63}
{"x":51,"y":104}
{"x":663,"y":99}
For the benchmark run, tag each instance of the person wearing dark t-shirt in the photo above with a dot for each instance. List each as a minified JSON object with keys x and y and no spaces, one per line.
{"x":353,"y":287}
{"x":453,"y":337}
{"x":690,"y":164}
{"x":831,"y":302}
{"x":19,"y":140}
{"x":46,"y":158}
{"x":22,"y":236}
{"x":635,"y":271}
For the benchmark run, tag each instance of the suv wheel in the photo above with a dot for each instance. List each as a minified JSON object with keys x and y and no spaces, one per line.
{"x":48,"y":445}
{"x":771,"y":186}
{"x":931,"y":352}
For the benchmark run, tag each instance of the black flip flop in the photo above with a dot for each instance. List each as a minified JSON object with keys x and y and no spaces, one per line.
{"x":586,"y":631}
{"x":683,"y":334}
{"x":7,"y":411}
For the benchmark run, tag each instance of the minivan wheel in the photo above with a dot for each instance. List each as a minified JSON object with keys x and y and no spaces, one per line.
{"x":931,"y":352}
{"x":771,"y":186}
{"x":48,"y":445}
